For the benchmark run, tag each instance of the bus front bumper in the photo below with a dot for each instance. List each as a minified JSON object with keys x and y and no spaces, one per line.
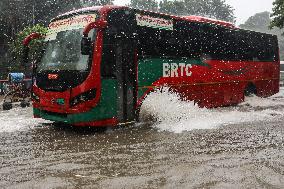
{"x":92,"y":118}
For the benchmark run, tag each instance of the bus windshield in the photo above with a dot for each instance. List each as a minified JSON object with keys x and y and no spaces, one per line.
{"x":63,"y":45}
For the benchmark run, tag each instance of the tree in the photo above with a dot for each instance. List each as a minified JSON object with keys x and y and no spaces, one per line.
{"x":150,"y":5}
{"x":260,"y":22}
{"x":217,"y":9}
{"x":16,"y":47}
{"x":86,"y":3}
{"x":11,"y":22}
{"x":173,"y":7}
{"x":278,"y":14}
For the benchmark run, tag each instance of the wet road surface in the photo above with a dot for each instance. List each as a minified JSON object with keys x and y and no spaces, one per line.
{"x":250,"y":154}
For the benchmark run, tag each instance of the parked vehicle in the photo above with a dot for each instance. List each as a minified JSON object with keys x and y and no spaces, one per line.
{"x":15,"y":90}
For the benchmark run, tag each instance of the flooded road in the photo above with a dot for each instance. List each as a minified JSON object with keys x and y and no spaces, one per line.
{"x":187,"y":147}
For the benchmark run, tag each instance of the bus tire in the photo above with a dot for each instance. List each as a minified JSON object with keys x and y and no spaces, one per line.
{"x":250,"y":90}
{"x":7,"y":106}
{"x":137,"y":113}
{"x":23,"y":104}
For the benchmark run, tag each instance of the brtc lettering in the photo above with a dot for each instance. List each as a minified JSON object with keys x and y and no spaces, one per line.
{"x":176,"y":70}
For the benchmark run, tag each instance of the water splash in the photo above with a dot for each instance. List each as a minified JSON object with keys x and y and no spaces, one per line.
{"x":174,"y":115}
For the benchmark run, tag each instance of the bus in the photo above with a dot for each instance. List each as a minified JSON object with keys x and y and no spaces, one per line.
{"x":99,"y":63}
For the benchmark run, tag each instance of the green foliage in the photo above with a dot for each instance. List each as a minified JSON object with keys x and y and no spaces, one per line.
{"x":278,"y":14}
{"x":261,"y":22}
{"x":151,"y":5}
{"x":258,"y":22}
{"x":217,"y":9}
{"x":16,"y":47}
{"x":86,"y":3}
{"x":173,"y":7}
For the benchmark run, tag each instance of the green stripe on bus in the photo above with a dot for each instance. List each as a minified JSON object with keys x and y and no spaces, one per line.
{"x":151,"y":69}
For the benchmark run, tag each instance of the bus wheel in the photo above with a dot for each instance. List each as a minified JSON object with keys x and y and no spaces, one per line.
{"x":250,"y":90}
{"x":7,"y":106}
{"x":137,"y":113}
{"x":23,"y":104}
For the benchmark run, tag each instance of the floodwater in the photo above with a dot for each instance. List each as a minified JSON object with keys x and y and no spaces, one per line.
{"x":177,"y":145}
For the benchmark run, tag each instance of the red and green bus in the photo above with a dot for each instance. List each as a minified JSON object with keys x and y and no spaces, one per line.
{"x":99,"y":63}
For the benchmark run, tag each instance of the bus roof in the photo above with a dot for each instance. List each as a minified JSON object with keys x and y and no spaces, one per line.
{"x":90,"y":9}
{"x":87,"y":9}
{"x":209,"y":20}
{"x":192,"y":18}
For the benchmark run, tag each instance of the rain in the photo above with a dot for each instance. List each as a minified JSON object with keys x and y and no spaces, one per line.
{"x":139,"y":99}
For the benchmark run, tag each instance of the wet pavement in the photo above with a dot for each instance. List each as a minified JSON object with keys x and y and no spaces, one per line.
{"x":234,"y":154}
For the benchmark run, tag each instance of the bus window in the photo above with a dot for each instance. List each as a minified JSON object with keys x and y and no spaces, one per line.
{"x":64,"y":53}
{"x":188,"y":38}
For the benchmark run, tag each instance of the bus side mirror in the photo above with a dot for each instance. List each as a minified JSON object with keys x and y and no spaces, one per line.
{"x":86,"y":46}
{"x":25,"y":56}
{"x":26,"y":42}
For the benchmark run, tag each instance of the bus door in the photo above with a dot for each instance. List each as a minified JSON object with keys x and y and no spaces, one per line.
{"x":126,"y":79}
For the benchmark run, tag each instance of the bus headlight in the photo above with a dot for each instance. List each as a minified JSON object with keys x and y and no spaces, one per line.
{"x":86,"y":96}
